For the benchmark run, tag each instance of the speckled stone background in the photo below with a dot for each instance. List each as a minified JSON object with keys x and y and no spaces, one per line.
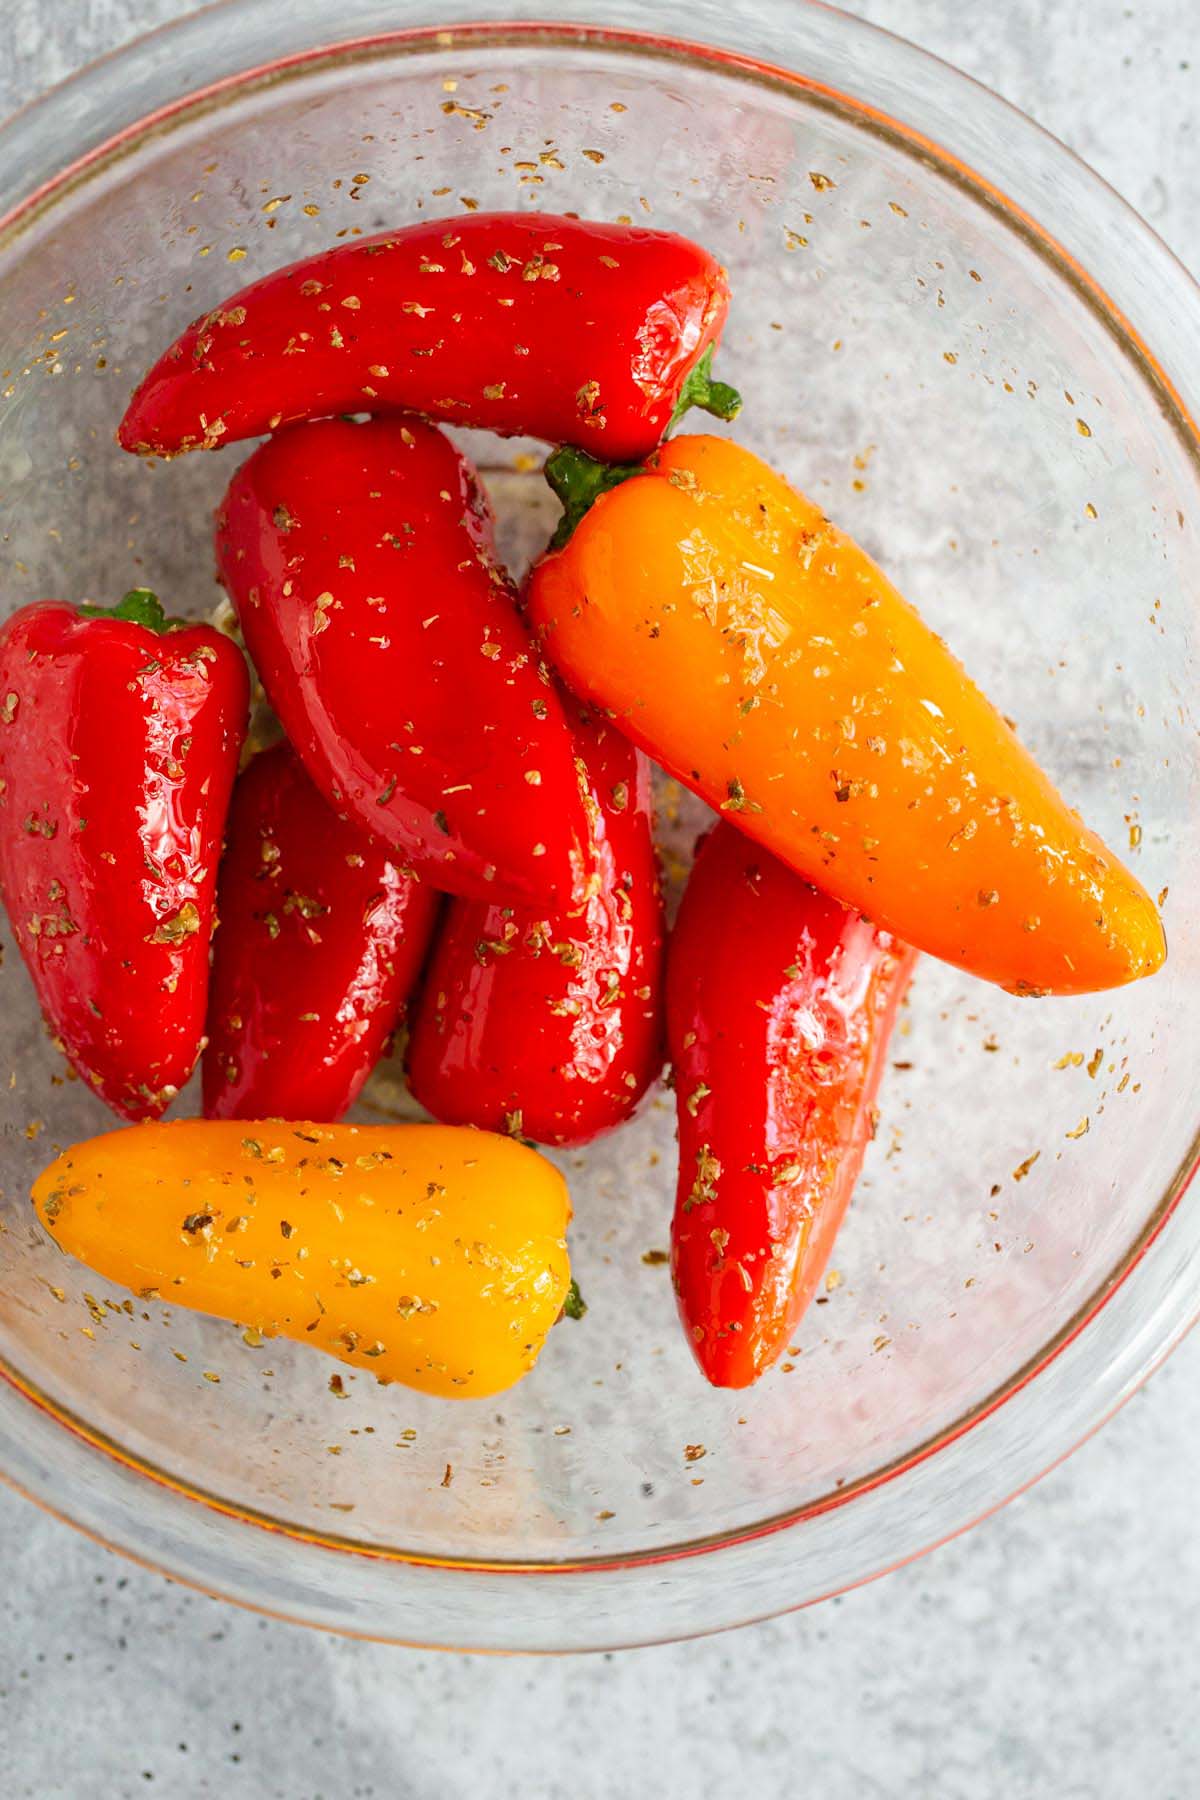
{"x":1054,"y":1654}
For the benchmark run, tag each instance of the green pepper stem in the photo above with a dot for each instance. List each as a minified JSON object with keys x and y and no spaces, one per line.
{"x":716,"y":397}
{"x":574,"y":1305}
{"x":140,"y":607}
{"x":579,"y":480}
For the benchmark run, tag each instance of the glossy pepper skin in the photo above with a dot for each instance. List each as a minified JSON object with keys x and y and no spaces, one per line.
{"x":416,"y":1253}
{"x":359,"y":559}
{"x":780,"y":1003}
{"x":322,"y":939}
{"x":762,"y":657}
{"x":551,"y":1027}
{"x":574,"y":331}
{"x":119,"y":740}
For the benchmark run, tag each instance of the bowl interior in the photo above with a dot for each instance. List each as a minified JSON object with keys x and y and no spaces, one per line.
{"x":950,"y":393}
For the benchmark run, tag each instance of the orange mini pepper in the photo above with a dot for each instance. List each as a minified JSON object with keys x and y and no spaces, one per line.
{"x":426,"y":1254}
{"x":758,"y":654}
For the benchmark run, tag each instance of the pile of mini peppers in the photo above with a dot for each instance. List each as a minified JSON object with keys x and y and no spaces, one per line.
{"x":455,"y":832}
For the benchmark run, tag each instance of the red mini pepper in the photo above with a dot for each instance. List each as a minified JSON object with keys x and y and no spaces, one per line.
{"x":359,"y":559}
{"x":780,"y":1002}
{"x":527,"y":324}
{"x":551,"y":1027}
{"x":119,"y":739}
{"x":322,"y":939}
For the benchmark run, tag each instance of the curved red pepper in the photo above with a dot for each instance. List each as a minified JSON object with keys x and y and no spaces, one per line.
{"x":119,"y":739}
{"x":359,"y":559}
{"x":779,"y":1007}
{"x":322,"y":939}
{"x":551,"y":1027}
{"x":564,"y":329}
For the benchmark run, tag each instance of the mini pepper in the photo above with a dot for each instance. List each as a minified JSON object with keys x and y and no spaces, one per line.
{"x":777,"y":1040}
{"x":757,"y":653}
{"x":119,"y":739}
{"x":416,"y":1253}
{"x":527,"y":324}
{"x":360,"y":561}
{"x":551,"y":1026}
{"x":322,"y":939}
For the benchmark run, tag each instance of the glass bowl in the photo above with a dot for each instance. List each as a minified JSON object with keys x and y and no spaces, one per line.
{"x":984,"y":366}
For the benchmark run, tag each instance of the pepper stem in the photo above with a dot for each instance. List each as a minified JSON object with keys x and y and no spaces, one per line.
{"x":579,"y":480}
{"x":716,"y":397}
{"x":141,"y":607}
{"x":574,"y":1305}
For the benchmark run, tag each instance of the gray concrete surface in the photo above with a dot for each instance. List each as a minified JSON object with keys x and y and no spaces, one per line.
{"x":1050,"y":1655}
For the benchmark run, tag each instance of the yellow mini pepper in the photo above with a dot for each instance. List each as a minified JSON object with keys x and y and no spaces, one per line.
{"x":430,"y":1255}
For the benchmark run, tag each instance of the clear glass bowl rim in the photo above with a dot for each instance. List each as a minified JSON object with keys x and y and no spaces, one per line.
{"x":1146,"y":298}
